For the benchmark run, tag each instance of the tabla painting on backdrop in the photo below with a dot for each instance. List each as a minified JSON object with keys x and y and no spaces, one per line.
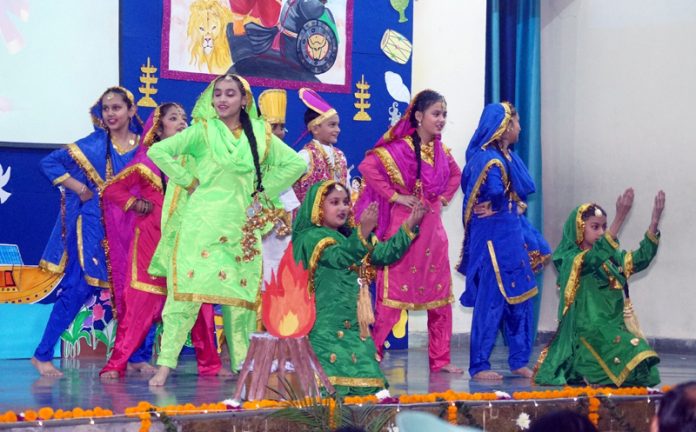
{"x":289,"y":44}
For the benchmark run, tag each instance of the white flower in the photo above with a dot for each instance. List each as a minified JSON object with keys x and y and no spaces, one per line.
{"x":523,"y":421}
{"x":502,"y":395}
{"x":234,"y":403}
{"x":383,"y":394}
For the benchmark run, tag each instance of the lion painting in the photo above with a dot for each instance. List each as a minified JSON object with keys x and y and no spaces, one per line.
{"x":208,"y":20}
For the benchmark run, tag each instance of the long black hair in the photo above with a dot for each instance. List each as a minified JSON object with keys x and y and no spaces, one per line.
{"x":422,"y":102}
{"x":249,"y":132}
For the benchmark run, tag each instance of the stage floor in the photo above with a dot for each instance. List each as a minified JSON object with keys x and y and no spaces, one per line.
{"x":407,"y":371}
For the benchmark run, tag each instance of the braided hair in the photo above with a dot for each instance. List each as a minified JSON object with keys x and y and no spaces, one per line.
{"x":421,"y":103}
{"x":249,"y":132}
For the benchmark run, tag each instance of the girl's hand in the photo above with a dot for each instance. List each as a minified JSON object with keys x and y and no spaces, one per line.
{"x":483,"y":209}
{"x":624,"y":203}
{"x":85,"y":193}
{"x":407,"y":200}
{"x":658,"y":207}
{"x":142,"y":207}
{"x":193,"y":186}
{"x":368,"y":220}
{"x":417,"y":213}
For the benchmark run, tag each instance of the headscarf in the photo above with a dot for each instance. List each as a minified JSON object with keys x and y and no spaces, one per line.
{"x":95,"y":111}
{"x":204,"y":109}
{"x":309,"y":235}
{"x":493,"y":123}
{"x":309,"y":215}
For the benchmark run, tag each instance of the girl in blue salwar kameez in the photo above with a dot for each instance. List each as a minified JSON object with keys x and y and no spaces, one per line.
{"x":75,"y":247}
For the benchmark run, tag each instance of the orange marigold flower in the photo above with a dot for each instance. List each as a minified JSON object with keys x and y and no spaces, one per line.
{"x":30,"y":415}
{"x":46,"y":413}
{"x":10,"y":417}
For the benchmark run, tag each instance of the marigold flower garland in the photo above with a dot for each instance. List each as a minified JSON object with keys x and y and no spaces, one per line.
{"x":144,"y":410}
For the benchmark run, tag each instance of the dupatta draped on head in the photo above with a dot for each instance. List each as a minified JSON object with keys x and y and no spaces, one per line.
{"x":307,"y":228}
{"x":398,"y":142}
{"x":495,"y":119}
{"x":231,"y":152}
{"x":95,"y":111}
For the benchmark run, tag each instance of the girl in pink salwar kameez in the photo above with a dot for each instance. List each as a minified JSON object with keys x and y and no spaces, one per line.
{"x":410,"y":164}
{"x":132,"y":203}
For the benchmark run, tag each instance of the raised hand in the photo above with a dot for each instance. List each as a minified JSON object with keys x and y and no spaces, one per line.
{"x":417,"y":213}
{"x":368,"y":220}
{"x":658,"y":207}
{"x":623,"y":205}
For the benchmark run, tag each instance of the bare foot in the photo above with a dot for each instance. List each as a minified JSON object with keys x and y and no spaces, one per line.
{"x":450,"y":368}
{"x":109,"y":375}
{"x":487,"y":375}
{"x":142,"y":367}
{"x":225,"y":373}
{"x":160,"y":377}
{"x":46,"y":368}
{"x":524,"y":372}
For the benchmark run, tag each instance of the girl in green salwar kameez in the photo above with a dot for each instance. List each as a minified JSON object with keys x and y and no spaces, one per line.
{"x":216,"y":255}
{"x":598,"y":341}
{"x":336,"y":255}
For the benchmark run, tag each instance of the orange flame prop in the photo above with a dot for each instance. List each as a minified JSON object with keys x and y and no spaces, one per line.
{"x":288,"y":308}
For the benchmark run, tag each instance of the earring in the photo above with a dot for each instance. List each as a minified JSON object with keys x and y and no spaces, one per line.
{"x":244,"y":107}
{"x":420,"y":124}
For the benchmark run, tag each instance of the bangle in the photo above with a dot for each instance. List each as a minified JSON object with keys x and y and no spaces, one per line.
{"x":83,"y":189}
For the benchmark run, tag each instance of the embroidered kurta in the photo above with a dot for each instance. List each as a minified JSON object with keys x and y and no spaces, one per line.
{"x":593,"y":344}
{"x":79,"y":230}
{"x":132,"y":238}
{"x":333,"y":261}
{"x":321,"y":166}
{"x":206,"y":261}
{"x":421,"y":279}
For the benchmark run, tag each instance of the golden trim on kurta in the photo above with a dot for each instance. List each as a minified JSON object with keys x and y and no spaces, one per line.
{"x":389,"y":165}
{"x":269,"y":140}
{"x":204,"y":298}
{"x":363,"y":240}
{"x":573,"y":283}
{"x":52,"y":267}
{"x":356,"y":382}
{"x":135,"y":283}
{"x":97,"y":282}
{"x":319,"y":201}
{"x":175,"y":196}
{"x":410,"y":306}
{"x":394,"y":197}
{"x":475,"y":194}
{"x":408,"y":231}
{"x":613,"y":243}
{"x":652,"y":237}
{"x":76,"y":153}
{"x":580,"y":224}
{"x":427,"y":150}
{"x":626,"y":371}
{"x":145,"y":172}
{"x":314,"y":259}
{"x":61,"y":179}
{"x":80,"y":244}
{"x":628,"y":264}
{"x":130,"y":203}
{"x":511,"y":300}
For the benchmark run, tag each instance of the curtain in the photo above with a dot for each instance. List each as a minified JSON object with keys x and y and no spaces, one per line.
{"x":513,"y":74}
